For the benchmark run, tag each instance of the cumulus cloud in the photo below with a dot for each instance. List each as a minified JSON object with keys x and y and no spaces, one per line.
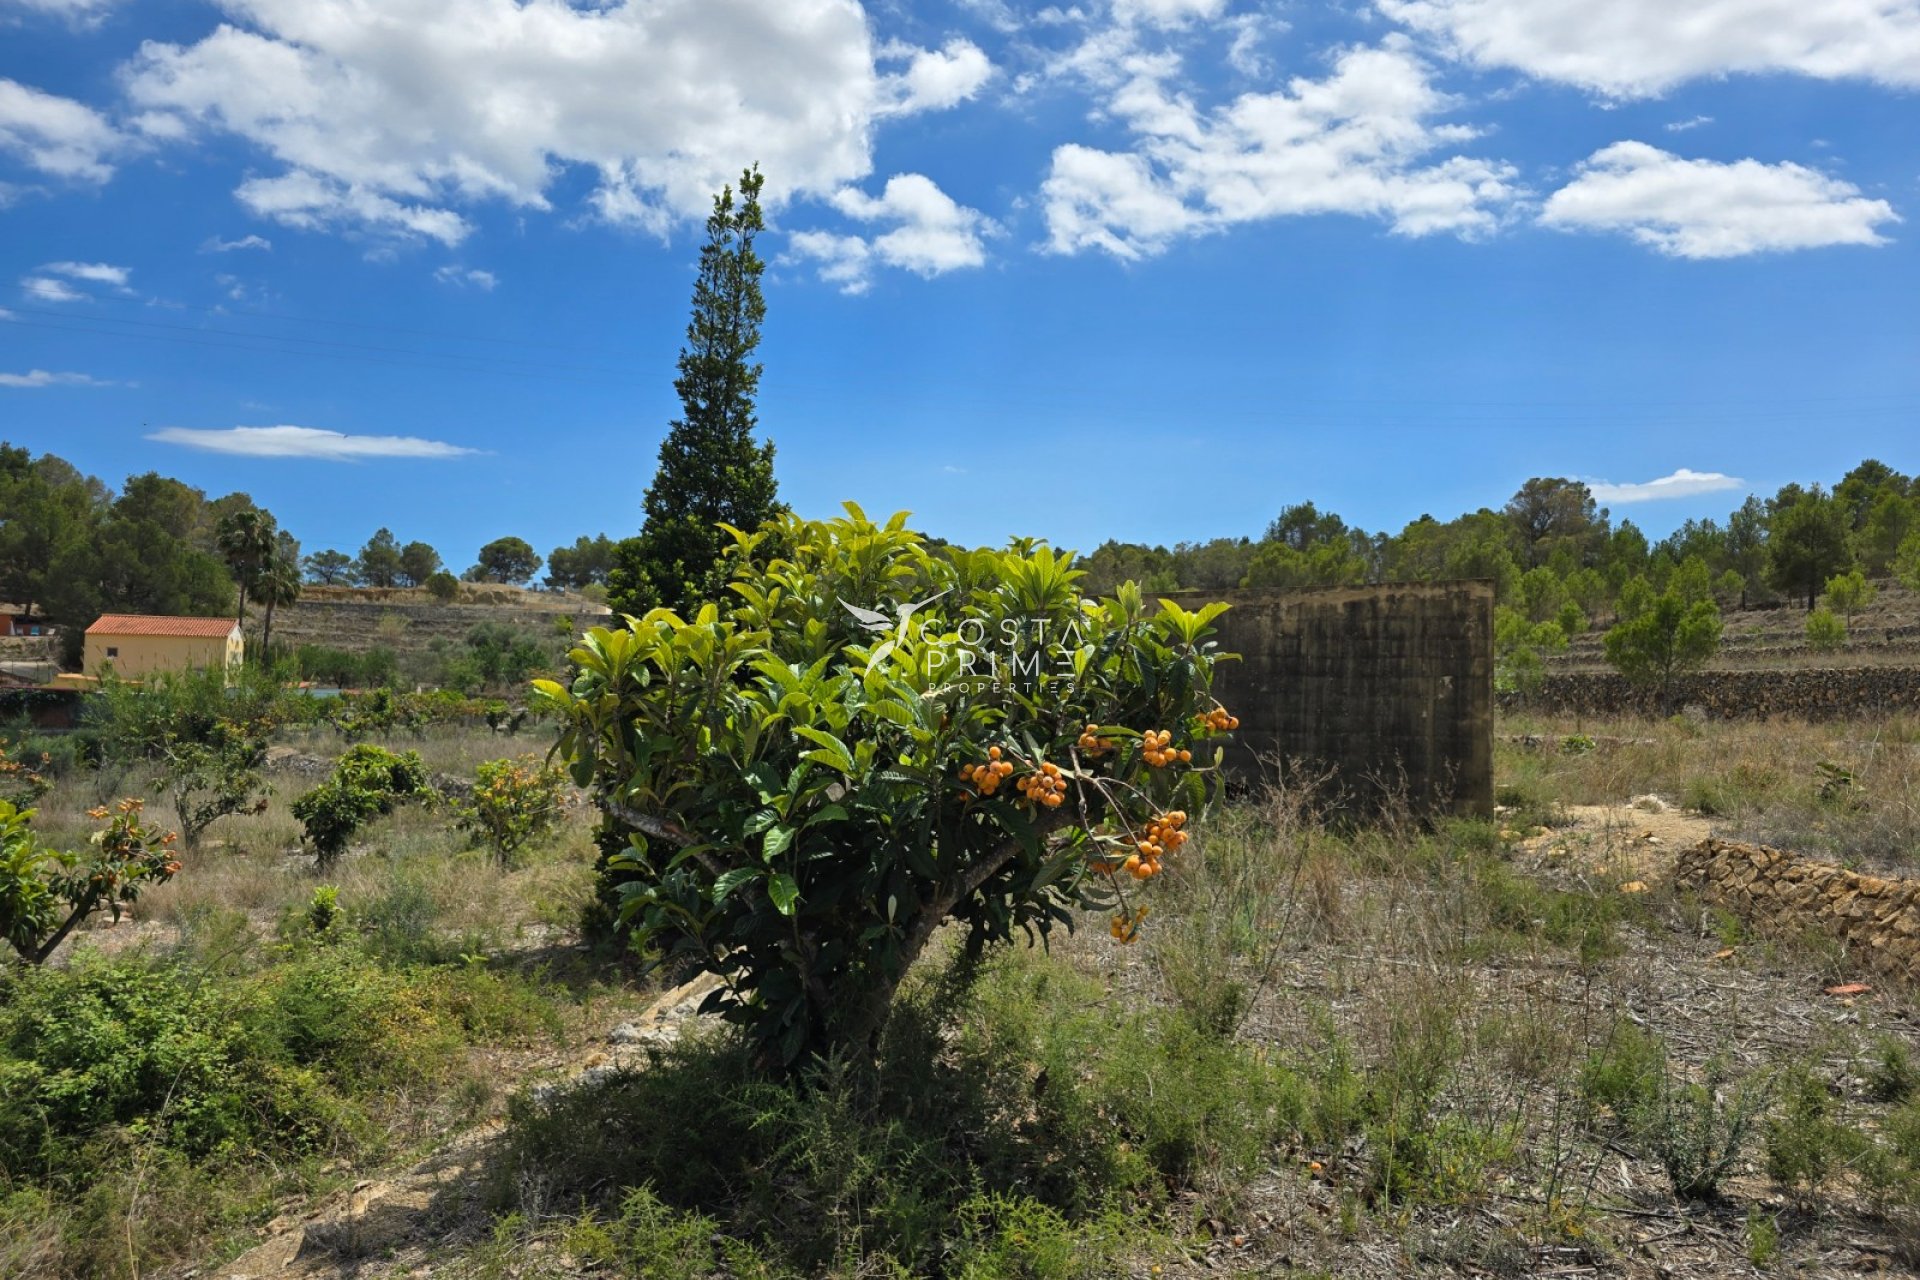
{"x":1359,"y":141}
{"x":305,"y":442}
{"x":1681,"y":484}
{"x":1641,"y":48}
{"x":311,"y":202}
{"x":55,"y":135}
{"x":472,"y":276}
{"x":1706,"y":209}
{"x":214,"y":244}
{"x":936,"y":79}
{"x":931,"y":234}
{"x":43,"y":378}
{"x":387,"y":114}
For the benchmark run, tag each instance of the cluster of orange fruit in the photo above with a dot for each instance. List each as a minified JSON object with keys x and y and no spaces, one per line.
{"x":1127,"y":928}
{"x":987,"y":776}
{"x":1044,"y":786}
{"x":1157,"y":749}
{"x":1164,"y":834}
{"x":1092,"y":743}
{"x":1220,"y":721}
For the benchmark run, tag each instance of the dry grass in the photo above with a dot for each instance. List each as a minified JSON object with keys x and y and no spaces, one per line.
{"x":1758,"y":780}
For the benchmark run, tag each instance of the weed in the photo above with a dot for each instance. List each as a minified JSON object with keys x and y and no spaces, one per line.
{"x":1763,"y":1237}
{"x":1892,"y":1076}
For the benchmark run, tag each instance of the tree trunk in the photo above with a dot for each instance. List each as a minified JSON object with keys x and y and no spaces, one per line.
{"x":266,"y":636}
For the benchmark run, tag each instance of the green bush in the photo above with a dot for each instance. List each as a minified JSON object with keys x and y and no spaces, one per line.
{"x":513,"y":801}
{"x":1806,"y":1140}
{"x":1825,"y":631}
{"x":1697,"y":1130}
{"x":367,"y":782}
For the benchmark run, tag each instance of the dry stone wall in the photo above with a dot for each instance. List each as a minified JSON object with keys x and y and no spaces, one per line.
{"x":1877,"y":917}
{"x":1811,"y":693}
{"x":1389,"y":688}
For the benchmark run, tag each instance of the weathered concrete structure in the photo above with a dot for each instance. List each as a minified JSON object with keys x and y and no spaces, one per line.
{"x":1388,"y":687}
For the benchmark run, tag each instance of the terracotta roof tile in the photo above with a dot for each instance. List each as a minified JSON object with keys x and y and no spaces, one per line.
{"x":135,"y":624}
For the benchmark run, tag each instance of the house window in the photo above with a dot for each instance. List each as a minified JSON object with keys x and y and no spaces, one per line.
{"x":112,"y":652}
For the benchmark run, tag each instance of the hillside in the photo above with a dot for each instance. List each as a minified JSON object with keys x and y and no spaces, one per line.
{"x":1886,"y":633}
{"x":409,"y":620}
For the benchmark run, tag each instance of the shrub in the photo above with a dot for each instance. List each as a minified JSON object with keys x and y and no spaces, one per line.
{"x":1825,"y":631}
{"x":45,"y":894}
{"x":443,"y":586}
{"x":1805,"y":1141}
{"x":513,"y":801}
{"x":367,"y":782}
{"x":1698,"y":1130}
{"x":808,"y":781}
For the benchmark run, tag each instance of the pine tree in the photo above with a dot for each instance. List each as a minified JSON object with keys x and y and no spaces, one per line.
{"x":712,"y":468}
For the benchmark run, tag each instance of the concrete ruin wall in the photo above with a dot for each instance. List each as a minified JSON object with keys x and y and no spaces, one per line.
{"x":1388,"y":687}
{"x":1877,"y":917}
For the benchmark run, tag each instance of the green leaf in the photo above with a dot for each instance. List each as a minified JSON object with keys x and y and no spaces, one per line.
{"x":779,"y":839}
{"x":784,"y":892}
{"x":731,"y":880}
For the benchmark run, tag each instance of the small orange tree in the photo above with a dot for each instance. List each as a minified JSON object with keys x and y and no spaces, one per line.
{"x":875,"y":737}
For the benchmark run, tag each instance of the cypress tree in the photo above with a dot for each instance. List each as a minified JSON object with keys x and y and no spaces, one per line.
{"x":712,"y":468}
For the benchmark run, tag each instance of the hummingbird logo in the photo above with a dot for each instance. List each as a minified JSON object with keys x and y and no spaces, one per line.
{"x":894,"y":628}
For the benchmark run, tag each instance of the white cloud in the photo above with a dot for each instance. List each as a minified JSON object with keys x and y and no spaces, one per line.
{"x":92,"y":272}
{"x":214,"y":244}
{"x":47,"y":289}
{"x":1357,"y":142}
{"x":936,"y":79}
{"x":42,"y":378}
{"x":1705,"y":209}
{"x":1640,"y":48}
{"x":305,"y":442}
{"x":457,"y":275}
{"x":1681,"y":484}
{"x":1692,"y":122}
{"x":310,"y":202}
{"x":931,"y":234}
{"x":1166,"y":13}
{"x":390,"y":113}
{"x":81,"y":13}
{"x":57,"y":136}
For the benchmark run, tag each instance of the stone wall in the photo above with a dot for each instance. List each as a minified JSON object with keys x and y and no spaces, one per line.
{"x":1813,"y":693}
{"x":1878,"y":918}
{"x":1388,"y":687}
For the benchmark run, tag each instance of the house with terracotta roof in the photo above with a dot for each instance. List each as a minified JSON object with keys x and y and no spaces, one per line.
{"x":135,"y":646}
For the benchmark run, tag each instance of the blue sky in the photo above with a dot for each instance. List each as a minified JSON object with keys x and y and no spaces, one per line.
{"x":1147,"y":269}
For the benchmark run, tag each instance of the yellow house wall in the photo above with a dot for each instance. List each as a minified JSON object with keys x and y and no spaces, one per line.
{"x":140,"y":656}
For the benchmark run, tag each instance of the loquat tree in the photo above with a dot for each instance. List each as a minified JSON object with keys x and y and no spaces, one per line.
{"x":871,"y":738}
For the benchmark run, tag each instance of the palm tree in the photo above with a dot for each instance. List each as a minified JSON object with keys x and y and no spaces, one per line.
{"x":246,"y":539}
{"x":278,"y":584}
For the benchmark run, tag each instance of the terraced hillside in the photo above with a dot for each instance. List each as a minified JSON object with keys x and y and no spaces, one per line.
{"x":410,"y":620}
{"x":1886,"y":633}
